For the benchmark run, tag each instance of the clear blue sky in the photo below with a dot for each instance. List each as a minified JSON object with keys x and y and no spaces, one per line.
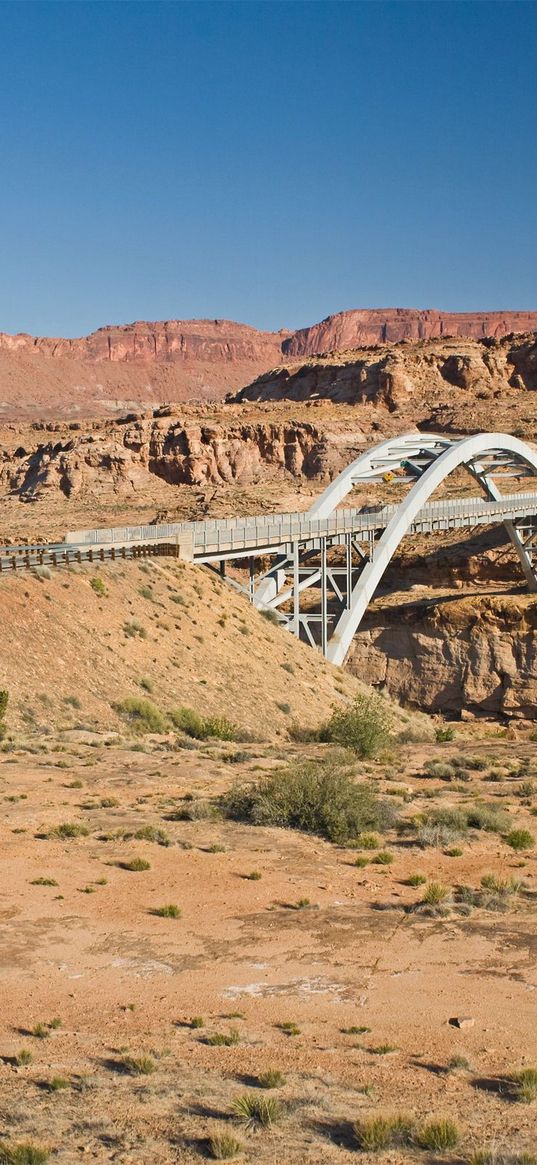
{"x":267,"y":162}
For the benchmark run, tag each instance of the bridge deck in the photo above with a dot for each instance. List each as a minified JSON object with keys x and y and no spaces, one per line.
{"x":217,"y":539}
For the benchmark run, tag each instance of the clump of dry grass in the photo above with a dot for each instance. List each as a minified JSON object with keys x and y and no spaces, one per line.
{"x":257,"y":1111}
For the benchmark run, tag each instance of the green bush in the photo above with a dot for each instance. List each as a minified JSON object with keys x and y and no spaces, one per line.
{"x":318,"y":797}
{"x":520,"y":840}
{"x":363,"y":727}
{"x":97,"y":585}
{"x":443,"y":735}
{"x":170,"y":911}
{"x":203,"y":727}
{"x":141,"y":714}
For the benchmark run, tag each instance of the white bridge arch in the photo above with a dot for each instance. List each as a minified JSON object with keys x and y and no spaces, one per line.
{"x":425,"y":460}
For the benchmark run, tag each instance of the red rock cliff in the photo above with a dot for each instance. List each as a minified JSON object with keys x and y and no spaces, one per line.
{"x":354,"y":329}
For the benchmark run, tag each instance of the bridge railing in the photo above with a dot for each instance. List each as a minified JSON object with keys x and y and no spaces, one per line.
{"x":274,"y":529}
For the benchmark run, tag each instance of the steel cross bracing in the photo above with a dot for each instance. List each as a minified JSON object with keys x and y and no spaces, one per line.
{"x":317,"y":571}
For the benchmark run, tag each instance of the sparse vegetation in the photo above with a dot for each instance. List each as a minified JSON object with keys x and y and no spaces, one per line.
{"x":459,"y":1063}
{"x":383,"y":1132}
{"x":139,"y":1065}
{"x":204,"y":727}
{"x":152,"y":833}
{"x":58,"y":1084}
{"x":498,"y":1156}
{"x":40,"y":1031}
{"x":170,"y":911}
{"x":444,"y":734}
{"x":23,"y":1153}
{"x":224,"y":1039}
{"x":272,"y":1078}
{"x":437,"y":894}
{"x":135,"y":865}
{"x":97,"y":584}
{"x":67,"y":830}
{"x":133,"y":629}
{"x":23,"y":1058}
{"x":438,"y":1135}
{"x":520,"y":840}
{"x":524,"y":1085}
{"x":4,"y":700}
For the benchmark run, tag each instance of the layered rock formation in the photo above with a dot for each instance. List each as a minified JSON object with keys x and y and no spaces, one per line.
{"x":142,"y":364}
{"x":357,"y":329}
{"x":168,"y":341}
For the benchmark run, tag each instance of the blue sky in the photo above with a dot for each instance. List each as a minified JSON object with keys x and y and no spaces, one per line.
{"x":267,"y":162}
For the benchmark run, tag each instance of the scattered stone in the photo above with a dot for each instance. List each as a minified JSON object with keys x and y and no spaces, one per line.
{"x":462,"y":1021}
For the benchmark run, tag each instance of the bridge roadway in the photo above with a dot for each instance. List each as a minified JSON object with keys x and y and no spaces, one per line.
{"x":216,"y":540}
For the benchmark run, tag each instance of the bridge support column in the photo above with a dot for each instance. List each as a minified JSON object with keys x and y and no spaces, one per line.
{"x":324,"y":622}
{"x":295,"y":625}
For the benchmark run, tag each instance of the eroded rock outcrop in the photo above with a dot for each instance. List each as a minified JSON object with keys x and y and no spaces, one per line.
{"x":121,"y":457}
{"x":469,"y":655}
{"x":451,"y":384}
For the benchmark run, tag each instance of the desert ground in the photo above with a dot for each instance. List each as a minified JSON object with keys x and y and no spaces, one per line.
{"x":306,"y":958}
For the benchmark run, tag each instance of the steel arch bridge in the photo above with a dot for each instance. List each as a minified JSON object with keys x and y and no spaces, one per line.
{"x":423,"y":461}
{"x":332,"y":557}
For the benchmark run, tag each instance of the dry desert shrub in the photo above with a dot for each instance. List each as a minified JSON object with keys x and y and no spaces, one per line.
{"x":319,"y":797}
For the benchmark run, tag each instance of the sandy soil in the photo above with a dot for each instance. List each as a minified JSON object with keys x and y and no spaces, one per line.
{"x":243,"y":955}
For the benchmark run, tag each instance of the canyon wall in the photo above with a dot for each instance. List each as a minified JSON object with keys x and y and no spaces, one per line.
{"x":357,"y":329}
{"x":470,"y":656}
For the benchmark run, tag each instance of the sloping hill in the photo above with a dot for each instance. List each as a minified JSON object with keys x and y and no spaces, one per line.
{"x":70,"y":654}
